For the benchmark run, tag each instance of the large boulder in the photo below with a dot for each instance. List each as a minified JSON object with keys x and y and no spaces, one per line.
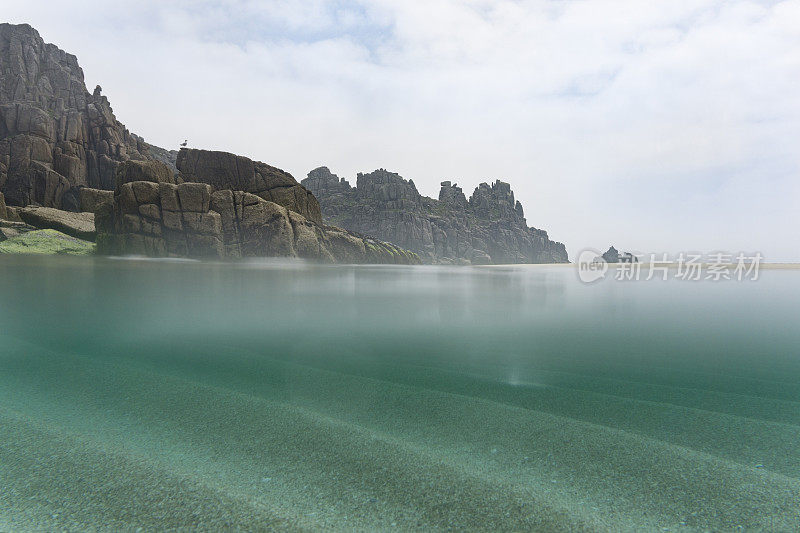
{"x":193,"y":220}
{"x":225,"y":171}
{"x":153,"y":171}
{"x":91,"y":199}
{"x":9,"y":229}
{"x":78,"y":225}
{"x":12,"y":213}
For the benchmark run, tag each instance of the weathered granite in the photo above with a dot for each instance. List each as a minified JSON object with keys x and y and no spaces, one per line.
{"x":168,"y":157}
{"x":153,"y":171}
{"x":190,"y":219}
{"x":233,"y":172}
{"x":78,"y":225}
{"x":9,"y":229}
{"x":489,"y":227}
{"x":11,"y":213}
{"x":55,"y":136}
{"x":90,"y":199}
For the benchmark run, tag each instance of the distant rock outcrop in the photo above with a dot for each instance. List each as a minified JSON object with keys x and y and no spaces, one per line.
{"x":489,"y":227}
{"x":612,"y":255}
{"x":209,"y":211}
{"x":55,"y":136}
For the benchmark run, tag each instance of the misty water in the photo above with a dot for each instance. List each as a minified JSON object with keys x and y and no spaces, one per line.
{"x":268,"y":394}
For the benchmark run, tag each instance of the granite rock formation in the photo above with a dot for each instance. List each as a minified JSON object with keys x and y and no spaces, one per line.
{"x":78,"y":225}
{"x":203,"y":212}
{"x":91,"y":199}
{"x":612,"y":255}
{"x":62,"y":148}
{"x":55,"y":136}
{"x":10,"y":224}
{"x":237,"y":173}
{"x":489,"y":227}
{"x":9,"y":229}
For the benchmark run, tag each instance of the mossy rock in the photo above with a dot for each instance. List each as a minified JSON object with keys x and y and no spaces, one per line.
{"x":46,"y":241}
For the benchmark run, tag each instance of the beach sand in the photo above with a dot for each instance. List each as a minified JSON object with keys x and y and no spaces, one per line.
{"x":224,"y":438}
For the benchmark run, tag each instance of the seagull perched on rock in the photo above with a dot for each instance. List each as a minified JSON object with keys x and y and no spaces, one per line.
{"x":184,"y":143}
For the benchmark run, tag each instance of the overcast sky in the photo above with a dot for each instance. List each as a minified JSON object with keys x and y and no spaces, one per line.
{"x":657,"y":126}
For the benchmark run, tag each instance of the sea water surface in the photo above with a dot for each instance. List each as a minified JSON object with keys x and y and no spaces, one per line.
{"x":279,"y":395}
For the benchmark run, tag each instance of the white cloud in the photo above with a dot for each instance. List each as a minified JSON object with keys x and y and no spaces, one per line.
{"x":652,"y":125}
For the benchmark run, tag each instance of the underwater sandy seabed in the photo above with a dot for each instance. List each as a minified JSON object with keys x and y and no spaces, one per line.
{"x":275,"y":395}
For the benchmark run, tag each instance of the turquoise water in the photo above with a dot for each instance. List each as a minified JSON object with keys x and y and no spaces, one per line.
{"x":278,"y":395}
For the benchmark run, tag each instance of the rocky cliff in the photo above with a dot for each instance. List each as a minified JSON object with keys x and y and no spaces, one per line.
{"x":61,"y":147}
{"x":55,"y":136}
{"x":225,"y":206}
{"x":489,"y":227}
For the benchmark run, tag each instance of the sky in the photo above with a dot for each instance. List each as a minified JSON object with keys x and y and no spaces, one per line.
{"x":660,"y":126}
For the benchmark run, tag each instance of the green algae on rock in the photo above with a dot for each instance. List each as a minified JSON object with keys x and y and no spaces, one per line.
{"x":46,"y":241}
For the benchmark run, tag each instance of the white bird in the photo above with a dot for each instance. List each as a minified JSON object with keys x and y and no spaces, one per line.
{"x":184,"y":143}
